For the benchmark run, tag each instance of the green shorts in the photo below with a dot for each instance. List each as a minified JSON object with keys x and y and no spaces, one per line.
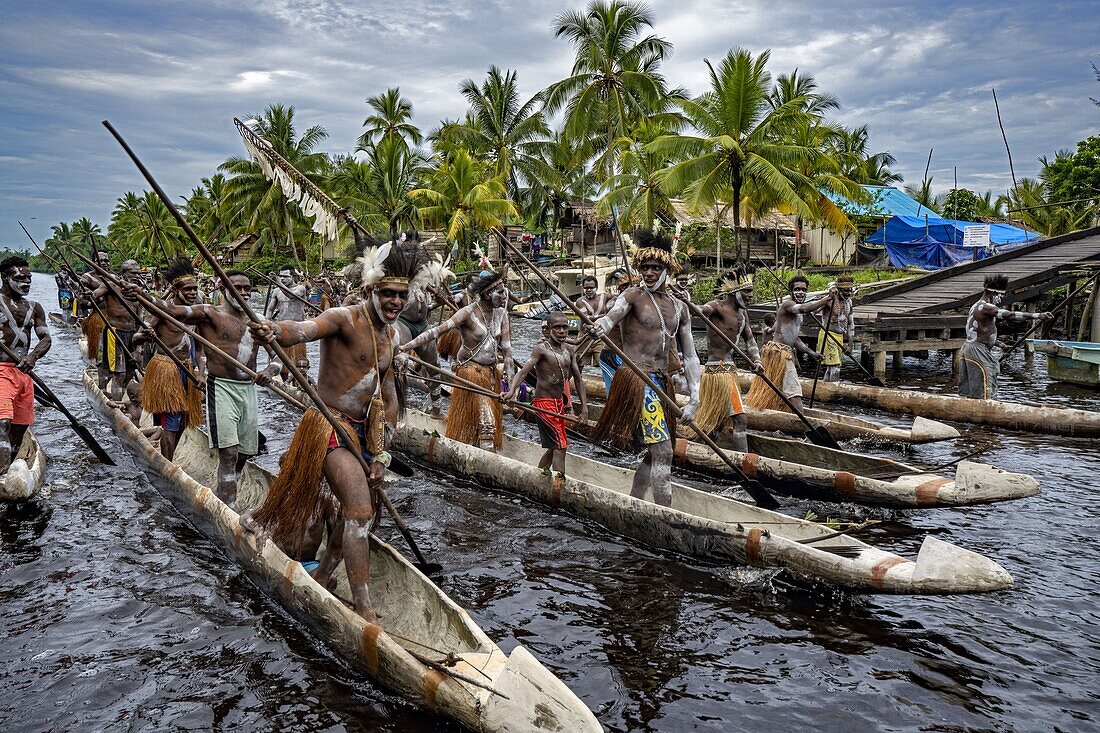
{"x":232,"y":415}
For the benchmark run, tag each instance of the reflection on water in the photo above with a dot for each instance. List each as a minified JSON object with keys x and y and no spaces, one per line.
{"x":117,"y":614}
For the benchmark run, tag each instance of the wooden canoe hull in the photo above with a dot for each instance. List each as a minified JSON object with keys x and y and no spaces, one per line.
{"x":1073,"y":362}
{"x":841,"y":427}
{"x":58,"y":320}
{"x":827,"y":477}
{"x":1009,"y":415}
{"x":702,"y":524}
{"x":409,"y":603}
{"x":27,"y":472}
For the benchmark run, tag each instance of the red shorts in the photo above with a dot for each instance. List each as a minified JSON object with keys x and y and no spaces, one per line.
{"x":551,"y":429}
{"x":16,"y":396}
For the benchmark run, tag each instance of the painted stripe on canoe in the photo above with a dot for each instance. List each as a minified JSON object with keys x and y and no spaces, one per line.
{"x":928,"y":493}
{"x":883,"y":566}
{"x":370,"y":646}
{"x":845,"y":483}
{"x":749,"y":464}
{"x":433,"y":678}
{"x":752,"y":547}
{"x":555,"y":489}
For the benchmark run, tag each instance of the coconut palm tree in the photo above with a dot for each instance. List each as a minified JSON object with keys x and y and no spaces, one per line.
{"x":377,"y":189}
{"x":465,"y":196}
{"x":260,"y":202}
{"x":500,"y":128}
{"x":743,"y":148}
{"x":636,"y":192}
{"x":850,"y":148}
{"x":145,"y":230}
{"x":391,"y":120}
{"x":561,"y":174}
{"x":802,"y":88}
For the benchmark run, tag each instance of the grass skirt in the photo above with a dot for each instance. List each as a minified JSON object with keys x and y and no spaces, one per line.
{"x":464,"y":416}
{"x":162,"y":390}
{"x":291,"y":502}
{"x":715,"y":398}
{"x":92,"y":326}
{"x":620,"y":420}
{"x":774,"y":357}
{"x":449,"y":344}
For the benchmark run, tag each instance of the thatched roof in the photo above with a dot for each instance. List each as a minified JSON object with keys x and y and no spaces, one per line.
{"x":586,"y":210}
{"x":769,"y":222}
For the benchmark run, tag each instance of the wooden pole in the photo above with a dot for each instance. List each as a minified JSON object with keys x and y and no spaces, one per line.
{"x":290,"y":364}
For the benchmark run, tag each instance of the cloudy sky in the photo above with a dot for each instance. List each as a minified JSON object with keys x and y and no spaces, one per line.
{"x":171,"y":75}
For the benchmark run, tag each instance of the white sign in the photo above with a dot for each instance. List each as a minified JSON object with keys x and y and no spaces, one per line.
{"x":976,"y":236}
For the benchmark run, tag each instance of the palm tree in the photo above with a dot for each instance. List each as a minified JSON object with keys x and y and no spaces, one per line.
{"x":801,"y":88}
{"x":850,"y":149}
{"x":498,"y":127}
{"x":391,"y":120}
{"x":923,"y":195}
{"x":377,"y":189}
{"x":145,"y":230}
{"x":637,"y":189}
{"x":463,"y":195}
{"x":742,"y":148}
{"x":86,"y":235}
{"x":614,"y":81}
{"x":561,"y":174}
{"x":209,"y":211}
{"x":260,"y":202}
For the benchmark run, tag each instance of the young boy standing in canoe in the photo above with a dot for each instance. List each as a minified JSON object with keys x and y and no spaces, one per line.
{"x":554,"y":363}
{"x":18,"y":316}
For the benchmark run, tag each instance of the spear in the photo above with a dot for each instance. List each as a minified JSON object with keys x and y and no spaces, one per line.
{"x":290,"y":364}
{"x":759,"y":494}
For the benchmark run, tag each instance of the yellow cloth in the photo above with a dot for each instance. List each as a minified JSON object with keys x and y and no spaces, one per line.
{"x":830,"y":347}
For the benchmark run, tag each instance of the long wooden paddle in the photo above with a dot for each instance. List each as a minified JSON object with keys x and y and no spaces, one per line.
{"x":875,"y":381}
{"x":817,"y":434}
{"x":756,"y":490}
{"x":290,"y":364}
{"x":51,"y":400}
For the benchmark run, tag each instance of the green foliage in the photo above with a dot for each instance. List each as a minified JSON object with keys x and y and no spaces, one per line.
{"x":961,"y":203}
{"x":1076,"y":176}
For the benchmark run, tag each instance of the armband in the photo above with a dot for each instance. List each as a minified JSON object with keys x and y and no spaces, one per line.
{"x":384,"y":458}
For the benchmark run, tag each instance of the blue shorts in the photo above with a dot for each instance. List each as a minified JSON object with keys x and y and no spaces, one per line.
{"x":170,"y":421}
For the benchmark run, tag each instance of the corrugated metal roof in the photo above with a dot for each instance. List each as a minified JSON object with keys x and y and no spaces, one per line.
{"x":886,"y":201}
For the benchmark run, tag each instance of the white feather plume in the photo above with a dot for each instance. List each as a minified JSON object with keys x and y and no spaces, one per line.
{"x":371,"y":264}
{"x":435,"y":273}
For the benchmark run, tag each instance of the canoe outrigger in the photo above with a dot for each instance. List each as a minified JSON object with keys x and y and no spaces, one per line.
{"x":429,"y":650}
{"x":27,"y":472}
{"x":841,"y":427}
{"x":703,"y":524}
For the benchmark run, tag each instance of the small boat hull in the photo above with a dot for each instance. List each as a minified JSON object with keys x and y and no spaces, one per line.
{"x":530,"y":697}
{"x":1073,"y":362}
{"x":703,"y":524}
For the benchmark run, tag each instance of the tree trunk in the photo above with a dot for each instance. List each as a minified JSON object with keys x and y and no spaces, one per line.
{"x":737,"y":217}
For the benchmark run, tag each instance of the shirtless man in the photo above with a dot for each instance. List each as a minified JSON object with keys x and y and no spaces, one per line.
{"x":778,"y":355}
{"x":170,"y":396}
{"x":20,"y":316}
{"x":356,"y":382}
{"x":720,"y":403}
{"x":837,"y":317}
{"x":413,"y":321}
{"x":978,"y":367}
{"x":554,"y":363}
{"x":486,"y":333}
{"x":231,"y":408}
{"x":592,"y":303}
{"x":649,"y":319}
{"x":683,"y":286}
{"x":286,"y":306}
{"x":117,"y":355}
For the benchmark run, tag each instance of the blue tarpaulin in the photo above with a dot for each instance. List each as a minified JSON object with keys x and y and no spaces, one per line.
{"x":936,"y":243}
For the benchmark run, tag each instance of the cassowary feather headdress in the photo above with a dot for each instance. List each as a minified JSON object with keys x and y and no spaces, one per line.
{"x":651,"y":246}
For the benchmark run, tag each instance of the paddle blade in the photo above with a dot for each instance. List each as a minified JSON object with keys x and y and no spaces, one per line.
{"x":95,"y":447}
{"x":821,"y":436}
{"x":876,"y":382}
{"x":759,"y":494}
{"x":400,"y":468}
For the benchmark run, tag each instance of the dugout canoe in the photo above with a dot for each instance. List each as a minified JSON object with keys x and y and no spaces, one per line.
{"x":816,"y":472}
{"x":27,"y":472}
{"x":841,"y":427}
{"x":1032,"y":418}
{"x":702,"y":524}
{"x":57,"y":320}
{"x":1073,"y":362}
{"x":527,"y":696}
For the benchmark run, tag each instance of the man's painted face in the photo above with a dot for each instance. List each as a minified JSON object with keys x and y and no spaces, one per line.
{"x":285,"y":278}
{"x":19,"y":280}
{"x":130,"y":273}
{"x":652,"y":272}
{"x":682,"y":283}
{"x":389,"y":300}
{"x":589,"y":288}
{"x":744,"y":298}
{"x":997,"y":297}
{"x":798,"y":292}
{"x":188,"y":291}
{"x":243,"y":286}
{"x":558,"y":327}
{"x":498,"y":296}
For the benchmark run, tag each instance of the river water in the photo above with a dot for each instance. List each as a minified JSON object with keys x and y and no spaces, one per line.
{"x":115,"y":614}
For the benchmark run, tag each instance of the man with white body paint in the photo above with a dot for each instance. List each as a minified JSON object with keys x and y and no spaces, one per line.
{"x":978,"y":367}
{"x":355,"y":380}
{"x":20,"y":316}
{"x":231,"y":410}
{"x":286,"y":305}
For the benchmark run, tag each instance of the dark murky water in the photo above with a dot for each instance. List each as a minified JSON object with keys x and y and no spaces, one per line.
{"x":117,"y":615}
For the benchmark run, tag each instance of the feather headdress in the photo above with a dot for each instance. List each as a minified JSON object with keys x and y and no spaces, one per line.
{"x":652,"y":246}
{"x":433,"y":274}
{"x":404,"y":262}
{"x":996,"y":283}
{"x":734,"y":281}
